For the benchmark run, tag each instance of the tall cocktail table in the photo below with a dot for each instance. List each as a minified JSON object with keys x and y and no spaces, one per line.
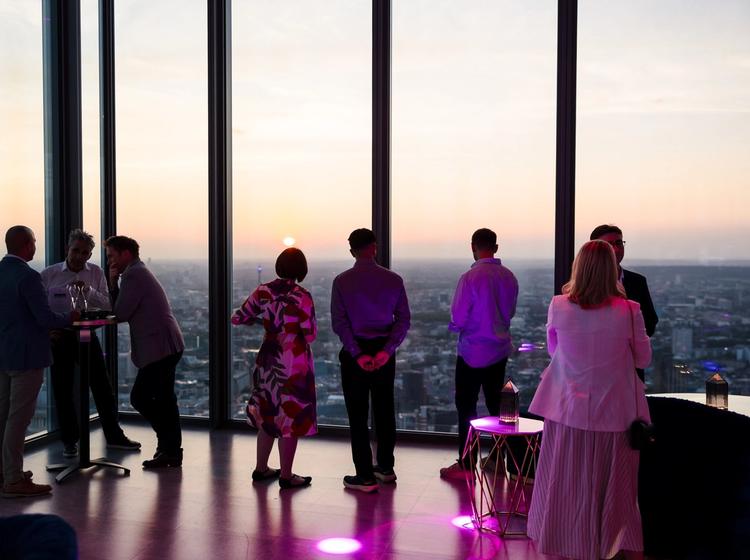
{"x":85,"y":328}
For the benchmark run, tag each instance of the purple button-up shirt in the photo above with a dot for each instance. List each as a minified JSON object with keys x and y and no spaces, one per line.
{"x":483,"y":305}
{"x":369,"y":301}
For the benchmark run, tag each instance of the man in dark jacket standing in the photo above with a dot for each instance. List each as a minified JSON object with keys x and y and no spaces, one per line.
{"x":636,"y":287}
{"x":25,"y":322}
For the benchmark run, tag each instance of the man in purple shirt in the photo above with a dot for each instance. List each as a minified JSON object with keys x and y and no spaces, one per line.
{"x":483,"y":305}
{"x":370,"y":314}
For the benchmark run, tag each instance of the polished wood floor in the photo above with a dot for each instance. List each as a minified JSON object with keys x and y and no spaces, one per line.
{"x":209,"y":509}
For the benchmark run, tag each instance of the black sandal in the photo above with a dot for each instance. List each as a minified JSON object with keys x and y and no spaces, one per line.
{"x":268,"y":474}
{"x":295,"y":482}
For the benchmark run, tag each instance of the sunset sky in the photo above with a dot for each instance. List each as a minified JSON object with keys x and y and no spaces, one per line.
{"x":663,"y":130}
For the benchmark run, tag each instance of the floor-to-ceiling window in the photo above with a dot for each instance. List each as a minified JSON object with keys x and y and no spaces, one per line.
{"x":301,"y":108}
{"x":90,"y":123}
{"x":22,"y":139}
{"x":162,"y":172}
{"x":662,"y":152}
{"x":663,"y":92}
{"x":473,"y":145}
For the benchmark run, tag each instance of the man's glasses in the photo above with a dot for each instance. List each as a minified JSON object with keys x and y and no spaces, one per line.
{"x":617,"y":243}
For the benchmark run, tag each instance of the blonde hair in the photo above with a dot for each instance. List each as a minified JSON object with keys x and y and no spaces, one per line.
{"x":595,"y":276}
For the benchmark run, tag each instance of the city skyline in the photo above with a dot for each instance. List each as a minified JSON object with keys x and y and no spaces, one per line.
{"x":704,"y":327}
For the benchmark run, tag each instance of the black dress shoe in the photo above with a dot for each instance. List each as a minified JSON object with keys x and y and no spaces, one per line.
{"x":295,"y":482}
{"x":123,"y":442}
{"x":162,"y":459}
{"x":268,"y":474}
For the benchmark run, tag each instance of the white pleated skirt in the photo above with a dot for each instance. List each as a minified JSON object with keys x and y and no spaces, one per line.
{"x":585,"y":499}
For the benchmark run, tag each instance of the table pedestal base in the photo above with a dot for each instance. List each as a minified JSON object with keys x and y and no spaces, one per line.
{"x":68,"y":469}
{"x":85,"y":330}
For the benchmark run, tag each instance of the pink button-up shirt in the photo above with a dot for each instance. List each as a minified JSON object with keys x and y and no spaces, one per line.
{"x":591,"y":383}
{"x":483,"y":305}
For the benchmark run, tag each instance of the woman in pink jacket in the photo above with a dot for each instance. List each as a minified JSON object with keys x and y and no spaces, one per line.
{"x":585,"y":501}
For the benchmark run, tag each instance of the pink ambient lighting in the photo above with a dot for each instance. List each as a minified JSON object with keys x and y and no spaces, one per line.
{"x":463,"y":522}
{"x":339,"y":546}
{"x":527,"y":347}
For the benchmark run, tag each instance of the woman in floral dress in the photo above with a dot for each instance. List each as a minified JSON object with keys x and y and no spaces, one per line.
{"x":282,"y":402}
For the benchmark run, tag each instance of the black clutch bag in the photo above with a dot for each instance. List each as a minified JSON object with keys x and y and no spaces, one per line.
{"x":641,"y":435}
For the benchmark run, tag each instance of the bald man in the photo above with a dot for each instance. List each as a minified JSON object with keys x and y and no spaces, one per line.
{"x":25,"y":322}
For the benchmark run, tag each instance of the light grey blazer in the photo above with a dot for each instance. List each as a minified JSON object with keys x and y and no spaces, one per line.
{"x":141,"y":302}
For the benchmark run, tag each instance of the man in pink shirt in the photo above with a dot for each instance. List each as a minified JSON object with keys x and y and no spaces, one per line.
{"x":483,"y":305}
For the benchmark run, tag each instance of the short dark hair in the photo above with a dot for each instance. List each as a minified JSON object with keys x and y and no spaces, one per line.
{"x":17,"y":237}
{"x":361,"y":238}
{"x":484,"y":239}
{"x":291,"y":264}
{"x":604,"y":229}
{"x":121,"y":243}
{"x":80,"y":235}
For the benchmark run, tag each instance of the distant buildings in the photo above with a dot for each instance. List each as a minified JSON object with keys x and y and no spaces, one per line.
{"x":704,"y":318}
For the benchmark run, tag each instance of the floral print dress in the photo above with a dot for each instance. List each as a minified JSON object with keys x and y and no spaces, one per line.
{"x":282,"y":402}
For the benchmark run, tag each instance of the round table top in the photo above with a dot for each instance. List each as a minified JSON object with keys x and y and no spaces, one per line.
{"x":492,"y":425}
{"x":89,"y":323}
{"x":737,"y":403}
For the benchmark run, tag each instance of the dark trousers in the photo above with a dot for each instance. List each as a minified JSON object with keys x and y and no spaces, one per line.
{"x":153,"y":396}
{"x":468,"y":382}
{"x":65,"y":354}
{"x":359,"y":386}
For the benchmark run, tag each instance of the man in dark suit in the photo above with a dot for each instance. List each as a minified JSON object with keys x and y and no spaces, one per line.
{"x":25,"y":322}
{"x":635,"y":284}
{"x":156,"y":345}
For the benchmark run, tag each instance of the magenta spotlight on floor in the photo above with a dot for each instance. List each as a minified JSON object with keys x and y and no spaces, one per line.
{"x":339,"y":546}
{"x":463,"y":522}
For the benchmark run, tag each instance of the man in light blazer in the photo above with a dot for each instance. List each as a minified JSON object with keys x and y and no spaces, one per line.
{"x":156,"y":345}
{"x":25,"y":322}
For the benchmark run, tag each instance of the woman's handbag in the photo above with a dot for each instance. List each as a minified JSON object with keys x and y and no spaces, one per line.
{"x":641,"y":434}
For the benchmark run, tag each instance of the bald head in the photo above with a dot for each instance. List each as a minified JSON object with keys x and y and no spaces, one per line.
{"x":20,"y":241}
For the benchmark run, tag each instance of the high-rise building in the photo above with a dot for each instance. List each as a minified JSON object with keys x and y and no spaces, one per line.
{"x":682,"y":342}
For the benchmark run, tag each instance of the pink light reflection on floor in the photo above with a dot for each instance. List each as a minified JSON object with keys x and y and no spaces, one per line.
{"x":463,"y":522}
{"x":339,"y":546}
